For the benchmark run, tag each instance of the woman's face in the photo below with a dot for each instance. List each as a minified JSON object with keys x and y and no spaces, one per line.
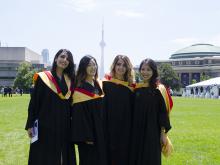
{"x":146,"y":72}
{"x":62,"y":61}
{"x":91,"y":68}
{"x":120,"y":68}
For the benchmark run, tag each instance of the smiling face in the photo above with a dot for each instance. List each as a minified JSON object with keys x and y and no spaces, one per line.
{"x":146,"y":72}
{"x":62,"y":61}
{"x":91,"y":69}
{"x":120,"y":68}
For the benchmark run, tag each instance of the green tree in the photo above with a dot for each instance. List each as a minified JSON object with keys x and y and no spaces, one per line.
{"x":24,"y":77}
{"x":137,"y":76}
{"x":194,"y":81}
{"x":204,"y":77}
{"x":168,"y":76}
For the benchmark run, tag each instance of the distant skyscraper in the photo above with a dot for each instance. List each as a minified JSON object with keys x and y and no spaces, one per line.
{"x":45,"y":55}
{"x":102,"y":45}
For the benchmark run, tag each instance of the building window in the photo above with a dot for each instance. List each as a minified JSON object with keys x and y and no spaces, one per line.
{"x":209,"y":61}
{"x":180,"y":62}
{"x":187,"y":62}
{"x":197,"y":62}
{"x":173,"y":62}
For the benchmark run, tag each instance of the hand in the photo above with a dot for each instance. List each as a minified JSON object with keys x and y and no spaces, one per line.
{"x":168,"y":148}
{"x":30,"y":132}
{"x":163,"y":138}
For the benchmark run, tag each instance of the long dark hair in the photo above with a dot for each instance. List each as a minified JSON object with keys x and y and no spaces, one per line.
{"x":129,"y":75}
{"x":152,"y":64}
{"x":81,"y":71}
{"x":70,"y":70}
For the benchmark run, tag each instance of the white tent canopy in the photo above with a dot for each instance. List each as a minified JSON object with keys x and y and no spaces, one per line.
{"x":210,"y":82}
{"x":204,"y":89}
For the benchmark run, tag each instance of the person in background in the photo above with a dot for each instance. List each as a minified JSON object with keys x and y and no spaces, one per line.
{"x":21,"y":91}
{"x":5,"y":91}
{"x":2,"y":91}
{"x":9,"y":91}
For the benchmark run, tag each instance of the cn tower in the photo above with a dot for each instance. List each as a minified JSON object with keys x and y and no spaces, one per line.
{"x":102,"y":45}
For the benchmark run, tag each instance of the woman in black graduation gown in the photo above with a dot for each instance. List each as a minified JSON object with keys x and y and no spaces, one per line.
{"x":87,"y":115}
{"x":118,"y":110}
{"x":150,"y":120}
{"x":50,"y":106}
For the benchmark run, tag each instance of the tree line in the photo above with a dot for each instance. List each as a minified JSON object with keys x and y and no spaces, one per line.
{"x":24,"y":78}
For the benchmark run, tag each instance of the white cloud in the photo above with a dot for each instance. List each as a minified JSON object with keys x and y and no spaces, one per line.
{"x":127,"y":13}
{"x":81,"y":5}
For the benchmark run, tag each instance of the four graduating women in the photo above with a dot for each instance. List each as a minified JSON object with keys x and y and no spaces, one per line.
{"x":126,"y":127}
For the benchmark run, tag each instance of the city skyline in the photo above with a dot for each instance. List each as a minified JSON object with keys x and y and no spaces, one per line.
{"x":138,"y":29}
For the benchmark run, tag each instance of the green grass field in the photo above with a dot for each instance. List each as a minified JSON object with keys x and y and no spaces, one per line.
{"x":195,"y":132}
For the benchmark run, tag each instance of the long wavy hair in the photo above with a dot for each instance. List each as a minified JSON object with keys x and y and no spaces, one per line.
{"x":152,"y":64}
{"x":70,"y":70}
{"x":81,"y":71}
{"x":129,"y":74}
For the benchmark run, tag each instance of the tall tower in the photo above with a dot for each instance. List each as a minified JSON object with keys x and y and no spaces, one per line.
{"x":102,"y":45}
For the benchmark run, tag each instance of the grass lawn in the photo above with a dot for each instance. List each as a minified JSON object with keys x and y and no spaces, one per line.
{"x":195,"y":131}
{"x":14,"y":143}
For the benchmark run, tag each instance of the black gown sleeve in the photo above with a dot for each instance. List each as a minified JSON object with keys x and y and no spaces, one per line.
{"x":164,"y":120}
{"x":34,"y":103}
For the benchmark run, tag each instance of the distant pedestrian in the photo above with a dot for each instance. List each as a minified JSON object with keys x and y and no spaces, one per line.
{"x":17,"y":91}
{"x":5,"y":91}
{"x":2,"y":91}
{"x":21,"y":92}
{"x":9,"y":91}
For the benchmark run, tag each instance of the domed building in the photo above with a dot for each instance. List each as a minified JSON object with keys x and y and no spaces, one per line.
{"x":194,"y":61}
{"x":197,"y":50}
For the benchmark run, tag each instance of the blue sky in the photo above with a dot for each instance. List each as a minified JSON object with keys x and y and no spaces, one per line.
{"x":136,"y":28}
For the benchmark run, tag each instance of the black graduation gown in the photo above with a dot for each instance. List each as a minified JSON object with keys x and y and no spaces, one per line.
{"x":87,"y":124}
{"x":53,"y":114}
{"x":149,"y":116}
{"x":118,"y":116}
